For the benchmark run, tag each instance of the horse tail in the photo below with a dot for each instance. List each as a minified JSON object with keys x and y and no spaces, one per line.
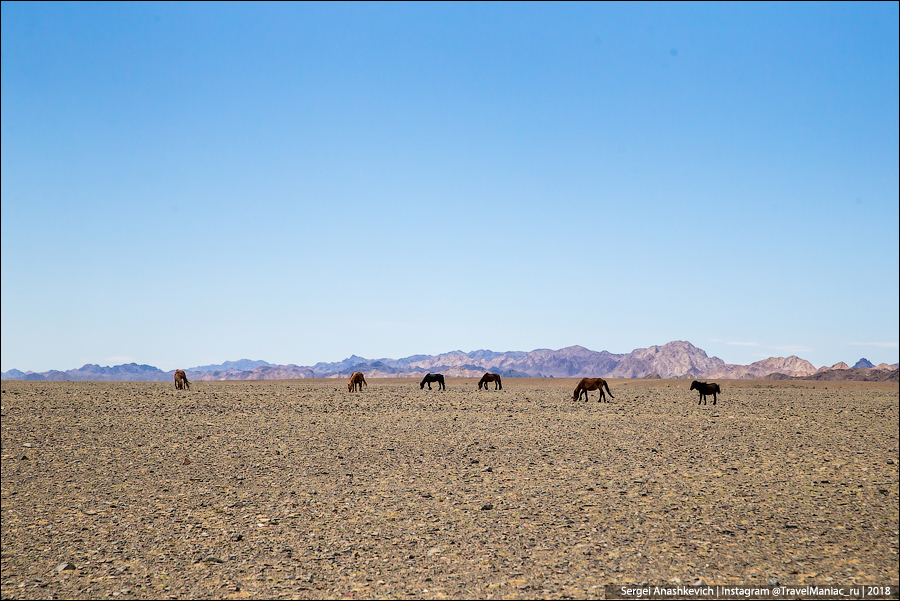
{"x":605,"y":385}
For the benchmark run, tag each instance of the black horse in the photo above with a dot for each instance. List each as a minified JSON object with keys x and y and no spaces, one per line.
{"x":704,"y":389}
{"x":429,"y":378}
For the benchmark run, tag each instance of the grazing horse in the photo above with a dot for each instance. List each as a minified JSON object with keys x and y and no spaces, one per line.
{"x":357,"y":380}
{"x":429,"y":378}
{"x":181,"y":381}
{"x":592,"y":384}
{"x":704,"y":389}
{"x":490,"y":378}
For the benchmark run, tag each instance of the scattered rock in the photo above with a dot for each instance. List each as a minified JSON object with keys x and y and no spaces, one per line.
{"x":714,"y":489}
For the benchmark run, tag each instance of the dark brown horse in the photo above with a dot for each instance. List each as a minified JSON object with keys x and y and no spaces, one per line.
{"x":490,"y":378}
{"x":429,"y":378}
{"x":704,"y":389}
{"x":357,"y":380}
{"x":181,"y":381}
{"x":591,"y":384}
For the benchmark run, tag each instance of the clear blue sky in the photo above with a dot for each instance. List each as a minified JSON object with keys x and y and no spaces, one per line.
{"x":184,"y":184}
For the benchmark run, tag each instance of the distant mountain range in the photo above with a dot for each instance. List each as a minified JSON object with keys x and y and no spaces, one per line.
{"x":677,"y":359}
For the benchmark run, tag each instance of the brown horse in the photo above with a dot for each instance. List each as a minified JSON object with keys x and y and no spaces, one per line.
{"x":181,"y":381}
{"x":356,"y":380}
{"x":704,"y":389}
{"x":591,"y":384}
{"x":490,"y":378}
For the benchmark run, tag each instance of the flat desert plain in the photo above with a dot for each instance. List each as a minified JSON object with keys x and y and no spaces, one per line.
{"x":299,"y":489}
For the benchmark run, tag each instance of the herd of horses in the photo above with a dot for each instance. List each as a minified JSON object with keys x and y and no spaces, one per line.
{"x":358,"y":380}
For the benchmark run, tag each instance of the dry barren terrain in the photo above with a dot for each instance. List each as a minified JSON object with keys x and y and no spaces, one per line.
{"x":299,"y":489}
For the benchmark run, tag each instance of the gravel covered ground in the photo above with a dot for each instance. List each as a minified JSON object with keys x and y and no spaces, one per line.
{"x":300,"y":489}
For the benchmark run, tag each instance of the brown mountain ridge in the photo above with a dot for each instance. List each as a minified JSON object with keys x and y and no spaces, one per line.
{"x":676,"y":359}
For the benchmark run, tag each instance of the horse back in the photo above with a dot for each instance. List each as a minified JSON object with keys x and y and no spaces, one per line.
{"x":592,"y":383}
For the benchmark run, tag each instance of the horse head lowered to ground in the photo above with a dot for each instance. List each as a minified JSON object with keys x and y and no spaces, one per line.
{"x":356,"y":380}
{"x":591,"y":384}
{"x":181,"y":381}
{"x":429,"y":378}
{"x":490,"y":378}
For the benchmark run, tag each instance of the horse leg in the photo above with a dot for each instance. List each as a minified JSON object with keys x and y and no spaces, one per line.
{"x":714,"y":398}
